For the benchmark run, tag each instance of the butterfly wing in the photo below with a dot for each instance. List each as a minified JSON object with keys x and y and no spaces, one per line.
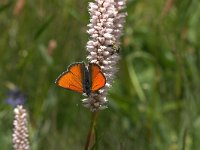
{"x":72,"y":78}
{"x":97,"y":77}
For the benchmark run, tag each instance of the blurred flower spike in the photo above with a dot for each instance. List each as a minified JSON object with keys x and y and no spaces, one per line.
{"x":19,"y":7}
{"x":16,"y":97}
{"x":51,"y":46}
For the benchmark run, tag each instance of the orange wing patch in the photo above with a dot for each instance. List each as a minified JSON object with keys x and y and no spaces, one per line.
{"x":72,"y":78}
{"x":97,"y":77}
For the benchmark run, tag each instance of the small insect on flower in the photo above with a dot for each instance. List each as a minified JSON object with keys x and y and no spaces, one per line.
{"x":81,"y":78}
{"x":115,"y":47}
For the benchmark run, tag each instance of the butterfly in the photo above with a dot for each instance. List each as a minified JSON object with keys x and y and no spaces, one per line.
{"x":81,"y":78}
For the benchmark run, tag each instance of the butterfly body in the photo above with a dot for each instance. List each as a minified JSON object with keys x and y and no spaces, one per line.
{"x":82,"y":78}
{"x":86,"y":81}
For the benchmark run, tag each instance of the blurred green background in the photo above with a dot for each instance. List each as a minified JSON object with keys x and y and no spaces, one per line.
{"x":154,"y":103}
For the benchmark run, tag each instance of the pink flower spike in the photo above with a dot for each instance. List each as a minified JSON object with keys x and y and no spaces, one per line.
{"x":105,"y":28}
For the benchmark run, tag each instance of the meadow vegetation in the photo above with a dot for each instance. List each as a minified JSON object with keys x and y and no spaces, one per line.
{"x":154,"y":103}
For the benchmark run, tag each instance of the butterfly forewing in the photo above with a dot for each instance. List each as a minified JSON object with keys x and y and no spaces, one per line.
{"x":72,"y":78}
{"x":97,"y":77}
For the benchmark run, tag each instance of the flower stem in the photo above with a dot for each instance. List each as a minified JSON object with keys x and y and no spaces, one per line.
{"x":91,"y":133}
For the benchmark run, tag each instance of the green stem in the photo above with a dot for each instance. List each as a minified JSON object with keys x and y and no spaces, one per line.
{"x":91,"y":130}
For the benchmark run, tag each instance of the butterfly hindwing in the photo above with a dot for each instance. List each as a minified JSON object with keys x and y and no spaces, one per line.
{"x":97,"y":77}
{"x":72,"y":78}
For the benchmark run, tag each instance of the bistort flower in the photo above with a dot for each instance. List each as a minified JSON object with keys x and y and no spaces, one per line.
{"x":20,"y":131}
{"x":105,"y":28}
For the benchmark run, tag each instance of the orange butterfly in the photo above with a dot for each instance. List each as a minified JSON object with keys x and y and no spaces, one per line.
{"x":82,"y":78}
